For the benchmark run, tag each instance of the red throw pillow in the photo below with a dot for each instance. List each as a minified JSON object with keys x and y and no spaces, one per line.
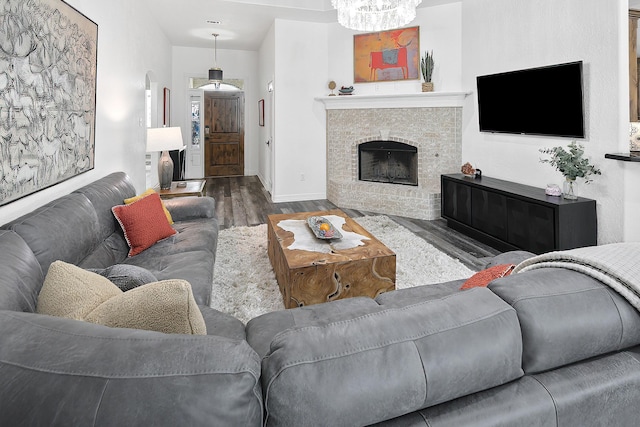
{"x":143,"y":222}
{"x":484,"y":277}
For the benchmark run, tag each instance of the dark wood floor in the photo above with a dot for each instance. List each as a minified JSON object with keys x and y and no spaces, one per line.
{"x":243,"y":201}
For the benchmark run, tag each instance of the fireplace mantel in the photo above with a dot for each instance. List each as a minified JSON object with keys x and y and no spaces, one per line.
{"x":407,"y":100}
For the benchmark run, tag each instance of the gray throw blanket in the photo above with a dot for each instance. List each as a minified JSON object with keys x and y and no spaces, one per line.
{"x":617,"y":265}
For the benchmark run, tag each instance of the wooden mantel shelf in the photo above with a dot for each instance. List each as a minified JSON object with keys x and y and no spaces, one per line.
{"x":406,"y":100}
{"x":624,"y":157}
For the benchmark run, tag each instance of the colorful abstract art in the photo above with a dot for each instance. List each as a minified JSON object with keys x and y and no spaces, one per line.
{"x":387,"y":55}
{"x":48,"y":60}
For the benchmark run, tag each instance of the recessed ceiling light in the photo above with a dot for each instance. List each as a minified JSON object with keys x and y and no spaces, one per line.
{"x":210,"y":21}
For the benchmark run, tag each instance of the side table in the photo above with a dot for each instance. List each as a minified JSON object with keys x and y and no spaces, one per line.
{"x":194,"y":187}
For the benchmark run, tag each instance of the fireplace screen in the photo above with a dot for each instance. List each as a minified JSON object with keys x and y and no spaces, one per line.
{"x":389,"y":162}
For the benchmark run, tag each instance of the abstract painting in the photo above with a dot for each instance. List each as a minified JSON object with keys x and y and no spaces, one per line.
{"x":48,"y":60}
{"x":386,"y":55}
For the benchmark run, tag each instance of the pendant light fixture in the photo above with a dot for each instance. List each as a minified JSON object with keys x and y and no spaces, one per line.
{"x":375,"y":15}
{"x":215,"y":73}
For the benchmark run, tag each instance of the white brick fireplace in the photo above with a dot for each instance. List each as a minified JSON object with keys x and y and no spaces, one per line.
{"x":430,"y":121}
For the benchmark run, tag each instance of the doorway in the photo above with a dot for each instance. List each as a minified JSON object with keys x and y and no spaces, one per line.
{"x":223,"y":133}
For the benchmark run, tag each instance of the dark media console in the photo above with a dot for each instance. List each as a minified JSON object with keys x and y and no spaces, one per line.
{"x":510,"y":216}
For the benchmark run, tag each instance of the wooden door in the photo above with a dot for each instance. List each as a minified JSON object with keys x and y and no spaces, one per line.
{"x":224,"y":142}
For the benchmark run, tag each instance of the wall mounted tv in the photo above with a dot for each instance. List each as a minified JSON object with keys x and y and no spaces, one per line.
{"x":536,"y":101}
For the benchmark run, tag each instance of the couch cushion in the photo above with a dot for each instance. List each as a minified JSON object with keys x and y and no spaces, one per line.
{"x":113,"y":250}
{"x":403,"y":297}
{"x":20,"y":274}
{"x":104,"y":193}
{"x":567,"y":316}
{"x":167,"y":306}
{"x":262,"y":329}
{"x":520,"y":403}
{"x":604,"y":391}
{"x":70,"y":373}
{"x":64,"y":229}
{"x":143,"y":223}
{"x":384,"y":364}
{"x":196,"y":267}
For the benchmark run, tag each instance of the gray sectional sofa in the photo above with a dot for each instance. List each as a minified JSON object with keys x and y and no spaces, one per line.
{"x":62,"y":372}
{"x":548,"y":347}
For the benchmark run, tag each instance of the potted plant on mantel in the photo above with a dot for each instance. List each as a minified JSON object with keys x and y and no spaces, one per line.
{"x":426,"y":66}
{"x":572,"y":165}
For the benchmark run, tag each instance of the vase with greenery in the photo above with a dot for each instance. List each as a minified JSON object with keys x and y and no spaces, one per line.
{"x":426,"y":67}
{"x":572,"y":165}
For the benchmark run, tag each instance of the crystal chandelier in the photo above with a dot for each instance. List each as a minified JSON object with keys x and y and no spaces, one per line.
{"x":375,"y":15}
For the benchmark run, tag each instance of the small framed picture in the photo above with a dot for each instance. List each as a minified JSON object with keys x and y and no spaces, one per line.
{"x":261,"y":112}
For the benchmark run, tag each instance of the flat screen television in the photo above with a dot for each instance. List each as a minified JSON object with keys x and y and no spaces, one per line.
{"x":536,"y":101}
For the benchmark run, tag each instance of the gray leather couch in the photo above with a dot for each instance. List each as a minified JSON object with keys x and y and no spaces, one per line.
{"x":62,"y":372}
{"x":548,"y":347}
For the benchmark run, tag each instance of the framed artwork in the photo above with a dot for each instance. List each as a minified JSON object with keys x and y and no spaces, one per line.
{"x":387,"y":55}
{"x":48,"y":96}
{"x":166,"y":115}
{"x":261,"y":112}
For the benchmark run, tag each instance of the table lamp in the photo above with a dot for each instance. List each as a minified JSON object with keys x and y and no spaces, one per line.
{"x":164,"y":140}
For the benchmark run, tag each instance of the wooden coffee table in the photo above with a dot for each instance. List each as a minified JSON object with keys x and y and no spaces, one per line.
{"x":312,"y":271}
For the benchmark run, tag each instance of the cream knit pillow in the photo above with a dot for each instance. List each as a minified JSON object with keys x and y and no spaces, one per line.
{"x":167,"y":306}
{"x":69,"y":291}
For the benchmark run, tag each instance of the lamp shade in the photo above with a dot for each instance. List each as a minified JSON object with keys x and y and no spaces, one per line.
{"x":164,"y":139}
{"x":215,"y":74}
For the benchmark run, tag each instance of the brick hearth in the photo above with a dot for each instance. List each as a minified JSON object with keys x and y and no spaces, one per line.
{"x":435,"y":131}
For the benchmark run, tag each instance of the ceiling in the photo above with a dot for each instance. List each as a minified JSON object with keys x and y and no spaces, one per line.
{"x":243,"y":24}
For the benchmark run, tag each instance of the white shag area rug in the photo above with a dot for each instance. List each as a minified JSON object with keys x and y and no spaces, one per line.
{"x":245,"y":286}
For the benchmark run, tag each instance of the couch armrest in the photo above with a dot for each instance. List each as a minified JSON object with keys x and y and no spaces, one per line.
{"x":186,"y":208}
{"x":79,"y":373}
{"x":511,"y":257}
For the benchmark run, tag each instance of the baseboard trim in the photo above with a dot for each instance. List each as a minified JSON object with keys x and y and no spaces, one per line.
{"x":298,"y":197}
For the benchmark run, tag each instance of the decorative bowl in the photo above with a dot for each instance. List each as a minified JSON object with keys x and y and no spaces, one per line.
{"x":346,"y":90}
{"x":315,"y":223}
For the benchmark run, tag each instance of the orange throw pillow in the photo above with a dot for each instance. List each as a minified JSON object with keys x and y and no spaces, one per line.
{"x":484,"y":277}
{"x":146,"y":193}
{"x":143,"y":222}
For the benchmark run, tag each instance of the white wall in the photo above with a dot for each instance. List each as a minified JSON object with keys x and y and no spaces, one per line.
{"x":129,"y":45}
{"x":440,"y":31}
{"x":236,"y":64}
{"x":301,"y":70}
{"x":305,"y":64}
{"x":502,"y":35}
{"x":266,"y":75}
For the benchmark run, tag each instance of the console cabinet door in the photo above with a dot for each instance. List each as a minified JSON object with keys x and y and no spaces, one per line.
{"x":531,"y":226}
{"x":489,"y":213}
{"x":456,"y":201}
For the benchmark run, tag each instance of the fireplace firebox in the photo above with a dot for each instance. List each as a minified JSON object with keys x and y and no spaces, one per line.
{"x":388,"y":162}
